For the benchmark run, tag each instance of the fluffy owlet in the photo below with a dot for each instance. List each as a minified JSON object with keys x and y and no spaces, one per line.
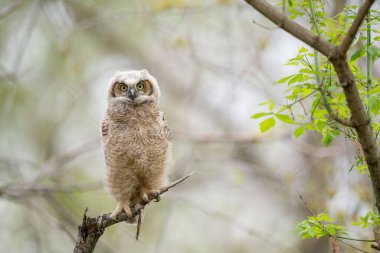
{"x":136,"y":139}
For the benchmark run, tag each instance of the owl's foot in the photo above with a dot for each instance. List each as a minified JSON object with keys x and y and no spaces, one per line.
{"x":128,"y":211}
{"x":119,"y":209}
{"x":148,"y":195}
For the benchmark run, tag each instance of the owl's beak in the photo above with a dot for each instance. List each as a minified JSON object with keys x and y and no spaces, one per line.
{"x":132,"y":94}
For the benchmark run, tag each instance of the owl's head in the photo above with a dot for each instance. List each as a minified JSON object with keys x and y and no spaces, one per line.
{"x":133,"y":87}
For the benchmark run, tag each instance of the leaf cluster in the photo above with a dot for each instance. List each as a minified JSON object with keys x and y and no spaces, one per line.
{"x":319,"y":226}
{"x":371,"y":218}
{"x":313,"y":93}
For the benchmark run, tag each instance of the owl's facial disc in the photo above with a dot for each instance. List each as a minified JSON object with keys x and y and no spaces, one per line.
{"x":135,"y":92}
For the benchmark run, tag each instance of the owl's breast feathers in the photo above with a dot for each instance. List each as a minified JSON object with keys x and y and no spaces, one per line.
{"x":137,"y":136}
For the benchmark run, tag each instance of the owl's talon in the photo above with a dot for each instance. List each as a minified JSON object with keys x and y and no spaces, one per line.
{"x":114,"y":214}
{"x":151,"y":195}
{"x":154,"y":195}
{"x":157,"y":199}
{"x":128,"y":211}
{"x":145,"y":197}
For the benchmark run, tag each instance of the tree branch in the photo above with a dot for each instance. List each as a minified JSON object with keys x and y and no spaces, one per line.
{"x":292,"y":27}
{"x":347,"y":40}
{"x":338,"y":57}
{"x":92,"y":229}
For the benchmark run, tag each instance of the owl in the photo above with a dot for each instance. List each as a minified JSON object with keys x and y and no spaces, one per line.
{"x":136,"y":140}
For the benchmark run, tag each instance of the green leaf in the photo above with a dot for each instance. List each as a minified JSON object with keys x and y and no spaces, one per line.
{"x":320,"y":124}
{"x":267,"y":124}
{"x":373,"y":52}
{"x":327,"y":138}
{"x":324,"y":217}
{"x":271,"y":105}
{"x":294,"y":79}
{"x":374,"y":90}
{"x":260,"y":114}
{"x":285,"y":118}
{"x":284,"y":79}
{"x":319,"y":226}
{"x":299,"y":131}
{"x":374,"y":104}
{"x":357,"y":223}
{"x":370,"y":218}
{"x":358,"y":53}
{"x":303,"y":50}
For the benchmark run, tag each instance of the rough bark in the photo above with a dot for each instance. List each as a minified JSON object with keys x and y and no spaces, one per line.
{"x":338,"y":57}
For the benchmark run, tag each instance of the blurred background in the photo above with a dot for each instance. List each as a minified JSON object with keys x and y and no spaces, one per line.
{"x":215,"y":61}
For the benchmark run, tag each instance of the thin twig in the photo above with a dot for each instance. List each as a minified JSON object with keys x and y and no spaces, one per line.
{"x":355,"y":239}
{"x":297,"y":101}
{"x":347,"y":40}
{"x":26,"y":190}
{"x":334,"y":116}
{"x":298,"y":31}
{"x":262,"y":26}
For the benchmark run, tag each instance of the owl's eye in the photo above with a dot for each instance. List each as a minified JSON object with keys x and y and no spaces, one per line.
{"x":140,"y":86}
{"x":123,"y":87}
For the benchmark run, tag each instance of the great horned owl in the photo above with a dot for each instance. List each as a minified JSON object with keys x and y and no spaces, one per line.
{"x":136,"y":139}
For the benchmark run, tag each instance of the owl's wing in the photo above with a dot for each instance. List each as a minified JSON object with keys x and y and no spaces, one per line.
{"x":167,"y":131}
{"x":104,"y":127}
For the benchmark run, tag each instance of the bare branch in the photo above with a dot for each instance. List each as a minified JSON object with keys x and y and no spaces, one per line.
{"x":347,"y":40}
{"x":54,"y":165}
{"x":10,"y":8}
{"x":23,"y":190}
{"x":219,"y":138}
{"x":92,"y":229}
{"x":292,"y":27}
